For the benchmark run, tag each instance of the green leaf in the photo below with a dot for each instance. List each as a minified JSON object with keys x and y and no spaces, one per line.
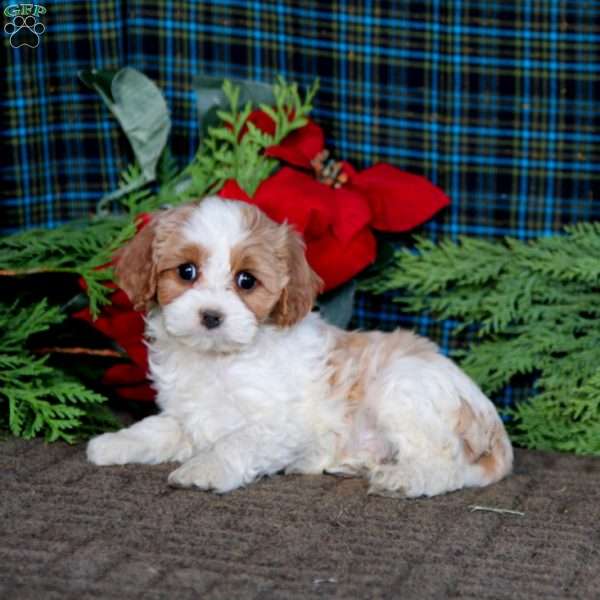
{"x":336,"y":306}
{"x":142,"y":112}
{"x":385,"y":257}
{"x":99,"y":79}
{"x":211,"y":100}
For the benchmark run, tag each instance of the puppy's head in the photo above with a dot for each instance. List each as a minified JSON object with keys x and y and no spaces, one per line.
{"x":218,"y":270}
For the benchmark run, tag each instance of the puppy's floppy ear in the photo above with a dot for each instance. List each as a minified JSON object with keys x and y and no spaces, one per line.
{"x":298,"y":296}
{"x":135,"y":267}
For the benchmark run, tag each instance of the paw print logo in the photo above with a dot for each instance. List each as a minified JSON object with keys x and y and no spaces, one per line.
{"x":24,"y":31}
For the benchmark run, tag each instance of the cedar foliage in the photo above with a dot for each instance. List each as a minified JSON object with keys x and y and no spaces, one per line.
{"x":35,"y":397}
{"x":227,"y":154}
{"x":536,"y":310}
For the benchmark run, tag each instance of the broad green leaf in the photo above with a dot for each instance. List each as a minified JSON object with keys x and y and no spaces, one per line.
{"x":336,"y":306}
{"x":211,"y":99}
{"x":100,"y":80}
{"x":141,"y":110}
{"x":385,"y":256}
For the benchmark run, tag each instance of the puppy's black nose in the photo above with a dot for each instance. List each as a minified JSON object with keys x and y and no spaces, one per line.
{"x":211,"y":319}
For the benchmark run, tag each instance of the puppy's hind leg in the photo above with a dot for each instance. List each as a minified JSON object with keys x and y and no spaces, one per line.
{"x":444,"y":432}
{"x":445,"y":468}
{"x":411,"y":478}
{"x":153,"y":440}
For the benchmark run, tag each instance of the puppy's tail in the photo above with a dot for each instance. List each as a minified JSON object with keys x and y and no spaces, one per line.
{"x":486,"y":446}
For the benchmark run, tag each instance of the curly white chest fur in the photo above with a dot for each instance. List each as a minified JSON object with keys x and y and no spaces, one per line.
{"x":277,"y":388}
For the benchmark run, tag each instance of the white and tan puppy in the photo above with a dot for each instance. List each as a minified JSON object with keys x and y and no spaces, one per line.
{"x":251,"y":382}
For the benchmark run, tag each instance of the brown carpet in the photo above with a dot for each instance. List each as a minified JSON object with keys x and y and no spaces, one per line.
{"x":72,"y":530}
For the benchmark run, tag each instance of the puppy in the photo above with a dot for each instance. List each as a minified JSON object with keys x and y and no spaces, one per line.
{"x":251,"y":382}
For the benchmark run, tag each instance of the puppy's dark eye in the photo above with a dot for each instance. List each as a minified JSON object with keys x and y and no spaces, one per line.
{"x":245,"y":280}
{"x":187,"y":271}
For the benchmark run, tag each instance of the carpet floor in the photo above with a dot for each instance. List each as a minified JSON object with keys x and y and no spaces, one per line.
{"x":72,"y":530}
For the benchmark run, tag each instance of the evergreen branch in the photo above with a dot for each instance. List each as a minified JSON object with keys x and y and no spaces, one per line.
{"x":17,"y":324}
{"x":36,"y":397}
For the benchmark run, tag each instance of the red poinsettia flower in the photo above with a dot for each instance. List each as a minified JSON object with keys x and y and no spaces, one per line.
{"x":298,"y":147}
{"x":399,"y":201}
{"x":336,"y":221}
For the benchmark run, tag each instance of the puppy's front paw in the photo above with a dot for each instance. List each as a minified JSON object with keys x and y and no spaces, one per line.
{"x":110,"y":449}
{"x":205,"y":471}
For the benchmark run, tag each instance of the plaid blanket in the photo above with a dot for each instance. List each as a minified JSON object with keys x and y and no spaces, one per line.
{"x":495,"y":101}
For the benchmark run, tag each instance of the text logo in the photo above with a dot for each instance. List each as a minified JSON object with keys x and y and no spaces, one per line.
{"x":24,"y":26}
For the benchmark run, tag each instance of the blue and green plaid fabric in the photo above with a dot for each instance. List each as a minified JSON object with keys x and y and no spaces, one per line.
{"x":495,"y":101}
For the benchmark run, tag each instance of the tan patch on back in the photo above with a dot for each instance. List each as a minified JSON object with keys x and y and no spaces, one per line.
{"x":349,"y":368}
{"x":263,"y":255}
{"x":400,"y":343}
{"x":357,"y":357}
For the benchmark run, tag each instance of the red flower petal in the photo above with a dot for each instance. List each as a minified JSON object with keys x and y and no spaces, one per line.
{"x":262,"y":120}
{"x":124,"y":374}
{"x":300,"y":146}
{"x":142,"y":220}
{"x":336,"y":262}
{"x":84,"y":314}
{"x":232,"y":191}
{"x":351,"y":212}
{"x":142,"y":392}
{"x":293,"y":197}
{"x":121,"y":300}
{"x":137,"y":351}
{"x":300,"y":200}
{"x":121,"y":326}
{"x":399,"y":200}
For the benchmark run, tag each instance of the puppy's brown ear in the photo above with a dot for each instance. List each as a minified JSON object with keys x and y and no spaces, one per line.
{"x":135,"y":268}
{"x":298,"y":296}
